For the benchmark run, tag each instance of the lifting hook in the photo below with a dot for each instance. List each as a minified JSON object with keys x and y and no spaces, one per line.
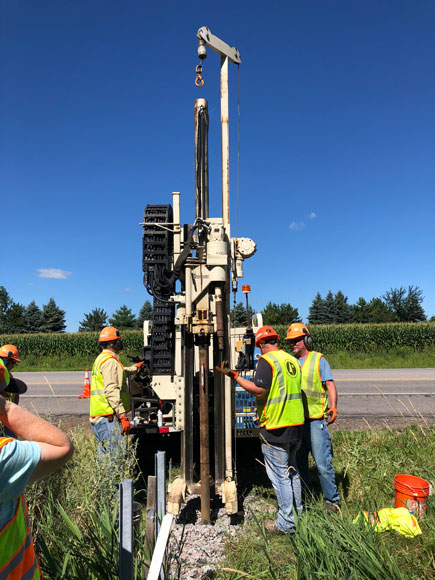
{"x":199,"y":81}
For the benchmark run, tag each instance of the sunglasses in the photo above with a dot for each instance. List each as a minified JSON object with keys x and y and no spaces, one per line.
{"x":295,"y":340}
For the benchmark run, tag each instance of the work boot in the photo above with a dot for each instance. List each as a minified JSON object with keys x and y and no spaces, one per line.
{"x":269,"y":526}
{"x":332,"y":507}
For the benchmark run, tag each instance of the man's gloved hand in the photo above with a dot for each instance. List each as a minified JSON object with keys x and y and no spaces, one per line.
{"x":125,"y":425}
{"x":224,"y":369}
{"x":331,"y":415}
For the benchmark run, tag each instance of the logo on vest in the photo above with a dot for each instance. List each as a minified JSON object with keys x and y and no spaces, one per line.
{"x":291,"y":369}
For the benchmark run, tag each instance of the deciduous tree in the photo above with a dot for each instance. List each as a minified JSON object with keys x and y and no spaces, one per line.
{"x":413,"y":308}
{"x":5,"y":301}
{"x":15,"y":320}
{"x":12,"y":314}
{"x":379,"y":312}
{"x":406,"y":305}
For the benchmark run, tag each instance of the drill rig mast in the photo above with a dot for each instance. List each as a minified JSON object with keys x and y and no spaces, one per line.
{"x":190,"y":271}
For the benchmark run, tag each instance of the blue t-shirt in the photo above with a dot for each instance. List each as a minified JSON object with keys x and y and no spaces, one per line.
{"x":324,"y":368}
{"x":18,"y":460}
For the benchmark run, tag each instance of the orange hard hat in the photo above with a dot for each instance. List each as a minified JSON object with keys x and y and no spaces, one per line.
{"x":109,"y":333}
{"x":9,"y":351}
{"x":296,"y":330}
{"x":265,"y":332}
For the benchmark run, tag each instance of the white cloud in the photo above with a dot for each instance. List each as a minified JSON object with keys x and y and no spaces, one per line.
{"x":296,"y":226}
{"x":127,"y":289}
{"x":313,"y":215}
{"x":53,"y":273}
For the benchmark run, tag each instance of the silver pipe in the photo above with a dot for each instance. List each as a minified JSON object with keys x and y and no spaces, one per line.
{"x":225,"y":145}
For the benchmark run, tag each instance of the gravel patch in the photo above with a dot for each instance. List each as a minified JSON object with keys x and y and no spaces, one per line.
{"x":196,"y":549}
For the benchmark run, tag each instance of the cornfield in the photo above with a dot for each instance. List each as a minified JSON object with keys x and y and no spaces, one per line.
{"x":68,"y":344}
{"x":327,"y":339}
{"x":368,"y":337}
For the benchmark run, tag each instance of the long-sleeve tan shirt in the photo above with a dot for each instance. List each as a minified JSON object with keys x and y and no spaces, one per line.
{"x":112,"y":373}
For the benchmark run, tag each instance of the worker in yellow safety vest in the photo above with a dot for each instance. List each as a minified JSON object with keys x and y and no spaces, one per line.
{"x":43,"y":449}
{"x":110,"y":400}
{"x":277,"y":388}
{"x":319,"y":396}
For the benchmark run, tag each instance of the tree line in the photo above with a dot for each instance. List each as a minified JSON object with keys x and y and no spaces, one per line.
{"x":123,"y":318}
{"x":396,"y":305}
{"x":16,"y":318}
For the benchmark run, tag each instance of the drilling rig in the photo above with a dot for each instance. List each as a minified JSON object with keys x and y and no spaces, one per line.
{"x":190,"y":271}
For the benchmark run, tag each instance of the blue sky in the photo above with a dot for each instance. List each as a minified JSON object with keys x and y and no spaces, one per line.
{"x":337,"y":144}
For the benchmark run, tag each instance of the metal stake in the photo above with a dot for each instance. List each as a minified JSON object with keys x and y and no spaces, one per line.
{"x":160,"y":460}
{"x":126,"y":530}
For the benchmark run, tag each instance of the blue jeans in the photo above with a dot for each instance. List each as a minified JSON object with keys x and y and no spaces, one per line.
{"x":316,"y":439}
{"x":109,"y":438}
{"x":280,"y":461}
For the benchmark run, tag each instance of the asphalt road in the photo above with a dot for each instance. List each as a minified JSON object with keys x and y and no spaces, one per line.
{"x":362,"y":393}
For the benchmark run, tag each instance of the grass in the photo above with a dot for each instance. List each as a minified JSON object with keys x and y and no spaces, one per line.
{"x":332,"y":546}
{"x":402,"y":357}
{"x":75,"y":515}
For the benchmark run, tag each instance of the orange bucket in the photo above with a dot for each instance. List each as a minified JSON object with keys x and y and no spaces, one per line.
{"x":411,"y":492}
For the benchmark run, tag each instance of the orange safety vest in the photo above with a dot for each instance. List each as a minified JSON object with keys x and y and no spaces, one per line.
{"x":17,"y":553}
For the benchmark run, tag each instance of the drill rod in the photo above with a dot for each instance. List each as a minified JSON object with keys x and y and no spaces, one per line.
{"x":204,"y":452}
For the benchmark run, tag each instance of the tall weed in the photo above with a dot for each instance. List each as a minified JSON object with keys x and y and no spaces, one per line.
{"x":75,"y":514}
{"x":331,"y":545}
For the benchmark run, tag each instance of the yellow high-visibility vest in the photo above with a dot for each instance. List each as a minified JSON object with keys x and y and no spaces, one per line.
{"x":283,"y":405}
{"x":17,"y":553}
{"x":314,"y":396}
{"x":4,"y":371}
{"x":99,"y":406}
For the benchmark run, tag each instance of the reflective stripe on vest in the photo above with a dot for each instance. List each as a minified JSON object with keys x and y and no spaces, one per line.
{"x":5,"y":373}
{"x":18,"y":560}
{"x":314,"y":395}
{"x":283,"y":406}
{"x":99,"y":406}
